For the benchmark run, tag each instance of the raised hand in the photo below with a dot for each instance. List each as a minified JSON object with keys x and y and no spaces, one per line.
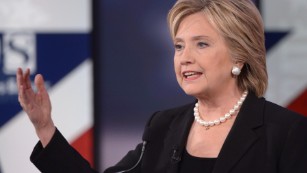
{"x":36,"y":104}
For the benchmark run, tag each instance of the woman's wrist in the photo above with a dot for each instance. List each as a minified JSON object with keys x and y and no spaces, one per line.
{"x":46,"y":133}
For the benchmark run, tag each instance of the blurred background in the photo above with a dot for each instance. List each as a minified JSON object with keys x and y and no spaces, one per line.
{"x":108,"y":66}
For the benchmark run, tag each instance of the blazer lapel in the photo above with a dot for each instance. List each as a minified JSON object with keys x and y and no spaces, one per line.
{"x":177,"y":136}
{"x":242,"y":135}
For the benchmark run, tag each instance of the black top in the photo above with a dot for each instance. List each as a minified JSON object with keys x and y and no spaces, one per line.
{"x":194,"y":164}
{"x":265,"y":138}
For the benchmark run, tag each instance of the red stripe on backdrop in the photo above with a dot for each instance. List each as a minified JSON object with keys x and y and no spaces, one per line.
{"x":84,"y":145}
{"x":300,"y":104}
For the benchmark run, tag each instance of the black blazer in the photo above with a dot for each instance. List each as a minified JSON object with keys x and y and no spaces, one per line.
{"x":265,"y":138}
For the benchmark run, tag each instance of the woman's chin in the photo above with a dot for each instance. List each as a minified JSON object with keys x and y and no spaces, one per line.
{"x":191,"y":92}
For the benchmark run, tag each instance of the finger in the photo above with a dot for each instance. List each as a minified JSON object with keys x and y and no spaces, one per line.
{"x":20,"y":86}
{"x":24,"y":81}
{"x":22,"y":96}
{"x":19,"y":77}
{"x":42,"y":95}
{"x":26,"y":98}
{"x":39,"y":83}
{"x":27,"y":80}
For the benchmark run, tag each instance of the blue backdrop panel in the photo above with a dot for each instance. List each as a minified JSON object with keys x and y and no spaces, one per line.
{"x":57,"y":54}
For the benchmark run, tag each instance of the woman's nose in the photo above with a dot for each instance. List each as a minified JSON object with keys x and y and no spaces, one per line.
{"x":187,"y":57}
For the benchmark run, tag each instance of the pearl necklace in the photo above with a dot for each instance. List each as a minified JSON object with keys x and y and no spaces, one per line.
{"x":222,"y":119}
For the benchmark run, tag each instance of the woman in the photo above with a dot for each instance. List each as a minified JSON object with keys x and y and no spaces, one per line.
{"x":220,"y":60}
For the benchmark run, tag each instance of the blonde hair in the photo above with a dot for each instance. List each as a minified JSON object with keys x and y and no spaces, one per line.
{"x":240,"y":24}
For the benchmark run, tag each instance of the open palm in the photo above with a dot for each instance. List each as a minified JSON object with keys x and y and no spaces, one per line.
{"x":35,"y":103}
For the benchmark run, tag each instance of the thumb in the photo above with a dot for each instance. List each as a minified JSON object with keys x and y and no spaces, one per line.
{"x":39,"y":83}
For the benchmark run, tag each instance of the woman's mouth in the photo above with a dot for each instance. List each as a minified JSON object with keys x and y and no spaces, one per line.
{"x":191,"y":74}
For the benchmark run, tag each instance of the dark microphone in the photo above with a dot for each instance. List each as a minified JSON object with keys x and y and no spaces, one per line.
{"x":138,"y":161}
{"x":146,"y":137}
{"x":176,"y":157}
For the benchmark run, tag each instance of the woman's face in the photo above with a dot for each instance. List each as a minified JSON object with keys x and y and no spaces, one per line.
{"x":202,"y":60}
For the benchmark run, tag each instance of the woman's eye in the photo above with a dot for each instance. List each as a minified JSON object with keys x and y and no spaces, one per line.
{"x":202,"y":44}
{"x":178,"y":47}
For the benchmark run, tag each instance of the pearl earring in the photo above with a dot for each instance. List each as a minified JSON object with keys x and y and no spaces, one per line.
{"x":236,"y":70}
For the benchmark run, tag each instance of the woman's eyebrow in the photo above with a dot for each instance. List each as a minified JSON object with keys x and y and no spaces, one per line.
{"x":197,"y":37}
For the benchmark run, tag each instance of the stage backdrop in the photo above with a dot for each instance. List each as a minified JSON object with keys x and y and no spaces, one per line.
{"x":286,"y":31}
{"x":51,"y":37}
{"x":136,"y":75}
